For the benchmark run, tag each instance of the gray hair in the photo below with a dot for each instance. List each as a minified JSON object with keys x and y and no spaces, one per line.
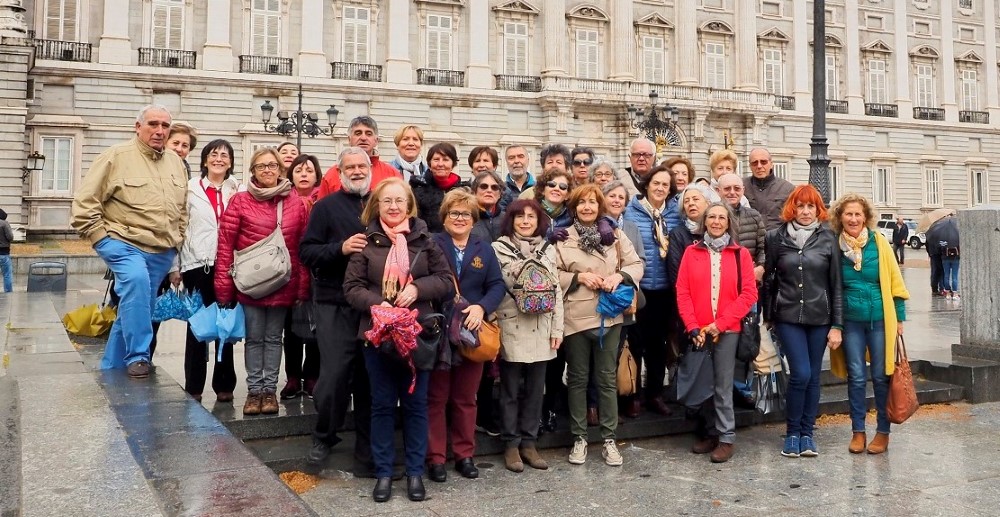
{"x":616,"y":184}
{"x":598,"y":163}
{"x":645,"y":141}
{"x":345,"y":183}
{"x":350,"y":151}
{"x":363,"y":120}
{"x":141,"y":117}
{"x":710,"y":195}
{"x":733,"y":229}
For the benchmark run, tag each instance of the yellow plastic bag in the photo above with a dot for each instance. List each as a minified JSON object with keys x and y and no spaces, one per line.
{"x":90,"y":320}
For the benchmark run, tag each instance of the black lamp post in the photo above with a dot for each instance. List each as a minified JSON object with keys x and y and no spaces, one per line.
{"x":36,"y":162}
{"x":297,"y":122}
{"x":656,"y":121}
{"x":819,"y":159}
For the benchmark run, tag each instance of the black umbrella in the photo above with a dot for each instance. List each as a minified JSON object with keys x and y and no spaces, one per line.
{"x":943,"y":234}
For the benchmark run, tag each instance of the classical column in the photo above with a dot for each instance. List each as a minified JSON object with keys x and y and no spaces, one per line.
{"x":686,"y":14}
{"x":946,"y":64}
{"x":398,"y":67}
{"x":217,"y":54}
{"x":556,"y":40}
{"x":746,"y":45}
{"x":479,"y":74}
{"x":902,"y":57}
{"x":115,"y":46}
{"x":312,"y":59}
{"x":623,"y":36}
{"x":802,"y":86}
{"x":990,"y":56}
{"x":850,"y":59}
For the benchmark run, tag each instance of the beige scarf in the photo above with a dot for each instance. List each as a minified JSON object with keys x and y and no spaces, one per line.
{"x":661,"y":238}
{"x":852,"y":247}
{"x":283,"y":188}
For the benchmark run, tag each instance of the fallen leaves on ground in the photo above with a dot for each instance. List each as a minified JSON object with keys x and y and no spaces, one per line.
{"x":299,"y":482}
{"x":957,"y":411}
{"x":49,"y":247}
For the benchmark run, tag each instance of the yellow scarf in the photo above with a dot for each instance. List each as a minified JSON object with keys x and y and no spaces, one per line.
{"x":852,"y":247}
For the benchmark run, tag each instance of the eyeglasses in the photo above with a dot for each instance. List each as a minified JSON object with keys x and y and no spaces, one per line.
{"x":760,"y":162}
{"x":489,"y":186}
{"x":583,"y":162}
{"x":560,"y":186}
{"x":455,"y":215}
{"x":400,"y":202}
{"x":645,"y":156}
{"x":604,"y":174}
{"x":261,"y":167}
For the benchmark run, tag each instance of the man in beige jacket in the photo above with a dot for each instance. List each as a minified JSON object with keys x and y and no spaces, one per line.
{"x":132,"y":207}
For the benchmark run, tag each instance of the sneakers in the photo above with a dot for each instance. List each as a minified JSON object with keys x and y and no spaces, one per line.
{"x":610,"y":453}
{"x":955,"y":296}
{"x":489,"y":429}
{"x":947,"y":295}
{"x":308,"y":387}
{"x":791,"y":449}
{"x":578,"y":455}
{"x":807,"y":448}
{"x":292,"y":389}
{"x":138,"y":370}
{"x":252,"y":406}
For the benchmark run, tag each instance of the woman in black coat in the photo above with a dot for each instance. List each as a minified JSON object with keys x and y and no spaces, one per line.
{"x":439,"y":179}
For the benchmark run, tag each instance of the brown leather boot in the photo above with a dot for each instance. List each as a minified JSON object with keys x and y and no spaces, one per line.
{"x":268,"y":404}
{"x":252,"y":406}
{"x":722,"y":452}
{"x":705,"y":445}
{"x":592,"y":418}
{"x":512,"y":460}
{"x":533,"y":459}
{"x":657,"y":405}
{"x":857,"y":443}
{"x":879,"y":444}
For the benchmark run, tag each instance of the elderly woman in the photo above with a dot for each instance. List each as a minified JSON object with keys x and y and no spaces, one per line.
{"x":528,"y":341}
{"x":288,"y":152}
{"x":477,"y":271}
{"x":694,"y":200}
{"x":488,"y":189}
{"x":483,"y":159}
{"x":681,"y":174}
{"x":715,"y":290}
{"x":552,"y":192}
{"x":430,"y":188}
{"x":722,"y":162}
{"x":587,"y":268}
{"x":182,"y":139}
{"x":803,"y":301}
{"x":874,"y":312}
{"x":409,"y":141}
{"x":603,"y":172}
{"x":400,"y":266}
{"x":268,"y":203}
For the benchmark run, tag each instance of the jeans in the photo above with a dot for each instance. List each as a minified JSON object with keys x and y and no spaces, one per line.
{"x":7,"y":268}
{"x":196,"y":353}
{"x":137,"y":275}
{"x":579,"y":348}
{"x":861,"y":337}
{"x":390,"y":383}
{"x":949,"y":282}
{"x":804,"y":346}
{"x":262,"y":349}
{"x":521,"y":387}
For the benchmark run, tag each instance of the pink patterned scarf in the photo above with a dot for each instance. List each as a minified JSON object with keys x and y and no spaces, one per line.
{"x":397,"y":264}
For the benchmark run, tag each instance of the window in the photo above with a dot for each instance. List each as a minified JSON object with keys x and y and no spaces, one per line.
{"x":652,"y":59}
{"x":356,"y":26}
{"x":882,"y":185}
{"x":61,"y":20}
{"x":265,"y":28}
{"x":55,"y":177}
{"x":932,"y":186}
{"x":835,"y":178}
{"x":515,"y":48}
{"x":832,"y":78}
{"x":715,"y":4}
{"x":587,"y":54}
{"x":875,"y":22}
{"x":922,"y":28}
{"x":773,"y":77}
{"x":980,"y":185}
{"x":168,"y":24}
{"x":439,"y":42}
{"x":715,"y":65}
{"x":876,"y":81}
{"x":970,"y":90}
{"x":830,"y":16}
{"x":780,"y":170}
{"x":925,"y":86}
{"x":965,"y":4}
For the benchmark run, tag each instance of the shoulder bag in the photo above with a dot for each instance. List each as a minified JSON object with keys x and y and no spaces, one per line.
{"x":749,"y":343}
{"x":264,"y":266}
{"x":481,"y":347}
{"x":902,"y":403}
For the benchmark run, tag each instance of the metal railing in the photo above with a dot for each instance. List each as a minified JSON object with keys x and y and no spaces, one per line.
{"x":836,"y":106}
{"x":62,"y":50}
{"x":785,"y":102}
{"x":438,"y":77}
{"x":975,"y":117}
{"x":519,"y":83}
{"x":356,"y":71}
{"x":265,"y":65}
{"x":167,"y":58}
{"x":876,"y":109}
{"x":923,"y":113}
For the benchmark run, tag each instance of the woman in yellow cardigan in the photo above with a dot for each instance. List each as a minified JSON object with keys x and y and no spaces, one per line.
{"x":873,"y":316}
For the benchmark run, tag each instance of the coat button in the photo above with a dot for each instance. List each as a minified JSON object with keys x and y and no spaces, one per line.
{"x":800,"y":286}
{"x":802,"y":301}
{"x":800,"y":268}
{"x":800,"y":252}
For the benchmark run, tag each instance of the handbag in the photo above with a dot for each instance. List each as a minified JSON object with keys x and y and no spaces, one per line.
{"x":902,"y":403}
{"x":628,"y":372}
{"x":489,"y":344}
{"x":749,"y":344}
{"x":303,"y":322}
{"x":695,"y":376}
{"x":429,"y":339}
{"x":264,"y":266}
{"x":478,"y":347}
{"x":769,"y":379}
{"x":204,"y":323}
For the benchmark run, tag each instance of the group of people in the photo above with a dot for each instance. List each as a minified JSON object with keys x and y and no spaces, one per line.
{"x":539,"y":256}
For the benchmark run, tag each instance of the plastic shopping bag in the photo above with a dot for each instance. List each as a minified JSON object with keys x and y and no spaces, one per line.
{"x":204,"y":323}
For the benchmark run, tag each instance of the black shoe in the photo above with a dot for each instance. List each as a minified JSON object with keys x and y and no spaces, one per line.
{"x":467,"y":468}
{"x":383,"y":490}
{"x":319,"y":452}
{"x":415,"y":488}
{"x":437,"y":473}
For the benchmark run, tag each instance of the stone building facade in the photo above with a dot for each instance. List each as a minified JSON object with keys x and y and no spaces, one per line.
{"x":912,"y":94}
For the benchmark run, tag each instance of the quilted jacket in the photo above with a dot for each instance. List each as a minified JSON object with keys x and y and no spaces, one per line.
{"x":654,"y":277}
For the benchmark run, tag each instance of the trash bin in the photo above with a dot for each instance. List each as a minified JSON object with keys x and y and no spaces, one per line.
{"x":46,"y":277}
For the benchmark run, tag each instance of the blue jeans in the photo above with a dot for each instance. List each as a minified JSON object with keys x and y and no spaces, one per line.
{"x":7,"y":268}
{"x":950,"y":280}
{"x":861,"y":337}
{"x":137,"y":275}
{"x":804,"y":346}
{"x":390,"y":382}
{"x":262,"y":349}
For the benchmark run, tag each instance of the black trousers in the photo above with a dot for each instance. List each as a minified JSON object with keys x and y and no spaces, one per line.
{"x":651,"y":338}
{"x":556,"y":394}
{"x":900,"y":251}
{"x":295,"y":367}
{"x":196,"y":356}
{"x":487,"y":405}
{"x":937,"y":273}
{"x":342,"y":374}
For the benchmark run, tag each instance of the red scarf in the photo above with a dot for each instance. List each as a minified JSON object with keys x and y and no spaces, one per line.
{"x":447,"y":182}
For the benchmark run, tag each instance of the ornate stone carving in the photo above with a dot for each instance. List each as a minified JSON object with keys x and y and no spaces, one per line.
{"x":518,"y":6}
{"x":654,"y":20}
{"x":589,"y":12}
{"x":718,"y":27}
{"x":925,"y":51}
{"x":774,"y":34}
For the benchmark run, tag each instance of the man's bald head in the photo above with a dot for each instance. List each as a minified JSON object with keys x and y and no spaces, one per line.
{"x":730,"y":187}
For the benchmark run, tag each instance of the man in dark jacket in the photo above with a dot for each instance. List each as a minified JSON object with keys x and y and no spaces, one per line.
{"x":519,"y":179}
{"x":900,"y":235}
{"x":334,"y":234}
{"x":766,"y":192}
{"x":6,"y":267}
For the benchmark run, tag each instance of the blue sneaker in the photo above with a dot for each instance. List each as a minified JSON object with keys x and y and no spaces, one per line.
{"x":807,"y":448}
{"x":791,"y":449}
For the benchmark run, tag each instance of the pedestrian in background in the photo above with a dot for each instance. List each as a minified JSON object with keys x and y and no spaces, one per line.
{"x":900,"y":235}
{"x":6,"y":266}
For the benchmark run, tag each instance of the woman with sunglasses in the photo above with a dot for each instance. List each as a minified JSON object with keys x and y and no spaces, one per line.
{"x":488,"y":189}
{"x":552,"y":192}
{"x":430,"y":188}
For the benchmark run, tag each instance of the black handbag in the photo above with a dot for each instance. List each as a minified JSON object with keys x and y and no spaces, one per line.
{"x":303,"y":321}
{"x":749,"y":343}
{"x":429,"y":340}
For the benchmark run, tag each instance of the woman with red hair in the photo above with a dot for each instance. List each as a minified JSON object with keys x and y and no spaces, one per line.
{"x":802,"y":297}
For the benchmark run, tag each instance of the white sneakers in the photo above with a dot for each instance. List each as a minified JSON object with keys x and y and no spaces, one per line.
{"x":611,"y":455}
{"x":579,"y":453}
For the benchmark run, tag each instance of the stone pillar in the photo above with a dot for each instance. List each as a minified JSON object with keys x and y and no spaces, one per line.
{"x":802,"y":86}
{"x":850,"y":60}
{"x":901,"y":77}
{"x":478,"y":74}
{"x":990,"y":56}
{"x":398,"y":67}
{"x":945,"y":67}
{"x":556,"y":40}
{"x":746,"y":45}
{"x":688,"y":58}
{"x":623,"y":36}
{"x":217,"y":54}
{"x":115,"y":46}
{"x":312,"y":59}
{"x":978,"y":274}
{"x":15,"y":53}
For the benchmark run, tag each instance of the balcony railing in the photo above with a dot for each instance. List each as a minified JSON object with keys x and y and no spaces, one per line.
{"x":437,"y":77}
{"x":875,"y":109}
{"x":519,"y":83}
{"x":785,"y":102}
{"x":62,"y":50}
{"x":265,"y":65}
{"x":922,"y":113}
{"x":836,"y":106}
{"x":975,"y":117}
{"x":356,"y":71}
{"x":167,"y":58}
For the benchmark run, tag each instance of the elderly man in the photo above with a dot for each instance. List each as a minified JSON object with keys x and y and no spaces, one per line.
{"x":900,"y":236}
{"x":132,"y":207}
{"x":642,"y":155}
{"x":363,"y":133}
{"x":766,"y":192}
{"x":333,"y":235}
{"x":519,"y":180}
{"x":583,"y":158}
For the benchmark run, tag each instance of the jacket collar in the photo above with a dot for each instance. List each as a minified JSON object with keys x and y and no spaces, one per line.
{"x":148,"y":151}
{"x":472,"y":249}
{"x":528,"y":183}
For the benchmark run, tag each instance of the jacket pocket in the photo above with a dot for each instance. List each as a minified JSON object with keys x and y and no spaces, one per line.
{"x":137,"y":192}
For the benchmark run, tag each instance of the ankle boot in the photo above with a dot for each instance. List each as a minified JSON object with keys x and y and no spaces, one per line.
{"x":512,"y":460}
{"x":857,"y":443}
{"x":879,"y":444}
{"x":533,"y":459}
{"x":415,"y":488}
{"x":383,"y":490}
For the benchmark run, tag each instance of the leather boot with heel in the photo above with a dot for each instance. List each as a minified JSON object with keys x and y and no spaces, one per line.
{"x":857,"y":443}
{"x":879,"y":444}
{"x":512,"y":460}
{"x":533,"y":459}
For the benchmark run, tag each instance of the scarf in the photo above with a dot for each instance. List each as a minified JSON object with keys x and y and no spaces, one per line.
{"x":527,"y":245}
{"x":397,"y":264}
{"x":852,"y":246}
{"x":590,"y":238}
{"x":661,"y":239}
{"x":283,"y":188}
{"x":716,"y":244}
{"x":447,"y":182}
{"x":550,"y":209}
{"x":410,"y":167}
{"x":800,"y":234}
{"x":693,"y":226}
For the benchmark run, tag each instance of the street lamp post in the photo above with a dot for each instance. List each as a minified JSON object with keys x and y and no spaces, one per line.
{"x":819,"y":159}
{"x":297,"y":122}
{"x":655,"y":121}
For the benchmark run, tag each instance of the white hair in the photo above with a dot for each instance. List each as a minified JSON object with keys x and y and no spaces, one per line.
{"x":141,"y":117}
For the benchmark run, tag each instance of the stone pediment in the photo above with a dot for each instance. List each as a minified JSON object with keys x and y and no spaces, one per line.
{"x":833,"y":41}
{"x":589,"y":12}
{"x":774,"y":34}
{"x":717,"y":27}
{"x":925,"y":51}
{"x":878,"y":46}
{"x":970,"y":57}
{"x":452,"y":3}
{"x":655,"y":20}
{"x":517,"y":6}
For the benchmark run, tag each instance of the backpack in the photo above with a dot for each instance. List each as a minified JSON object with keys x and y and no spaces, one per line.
{"x":534,"y":290}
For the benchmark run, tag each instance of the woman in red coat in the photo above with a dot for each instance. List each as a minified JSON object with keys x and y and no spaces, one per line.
{"x":712,"y":304}
{"x":250,"y":217}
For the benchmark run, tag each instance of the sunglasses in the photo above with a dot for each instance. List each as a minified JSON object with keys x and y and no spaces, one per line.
{"x":760,"y":162}
{"x":583,"y":162}
{"x":493,"y":187}
{"x":560,"y":186}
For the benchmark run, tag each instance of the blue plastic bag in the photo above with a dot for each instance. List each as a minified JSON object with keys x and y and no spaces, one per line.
{"x":612,"y":305}
{"x":232,"y":324}
{"x":204,"y":323}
